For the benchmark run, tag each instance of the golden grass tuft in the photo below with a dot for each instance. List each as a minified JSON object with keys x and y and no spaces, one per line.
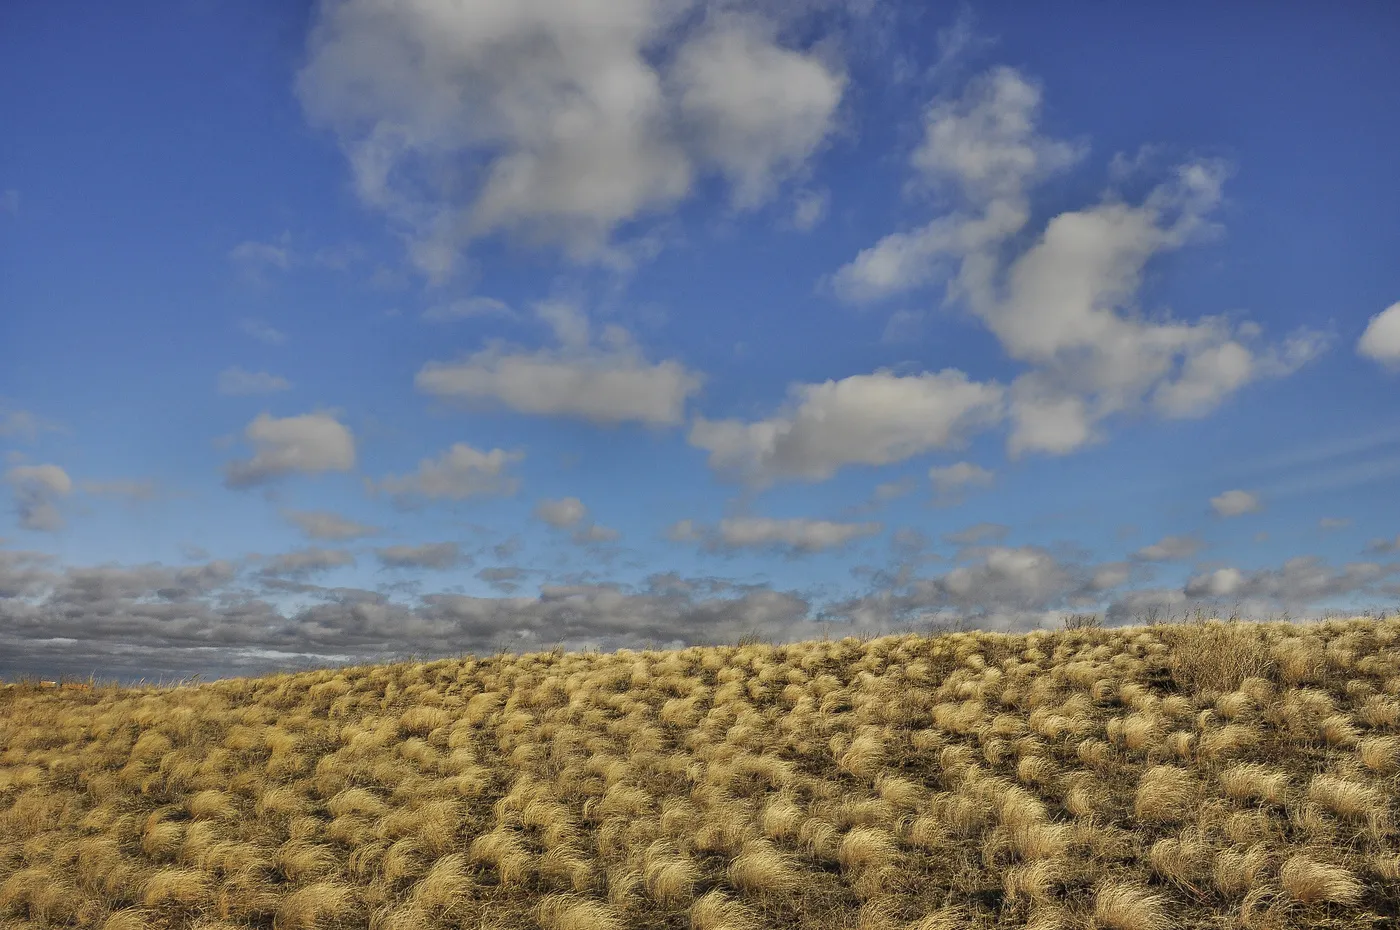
{"x":1254,"y":781}
{"x":1121,"y":904}
{"x":1310,"y":881}
{"x":1166,"y":794}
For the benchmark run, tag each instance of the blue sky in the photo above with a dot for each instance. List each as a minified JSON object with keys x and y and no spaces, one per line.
{"x":343,"y":330}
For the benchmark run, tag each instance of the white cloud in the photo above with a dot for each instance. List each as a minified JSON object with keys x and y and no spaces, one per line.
{"x":235,"y":382}
{"x":1333,"y":523}
{"x":809,"y":210}
{"x":322,"y":524}
{"x":466,"y":308}
{"x":262,"y":332}
{"x":874,"y":419}
{"x":311,"y":443}
{"x":562,"y":513}
{"x":948,"y":480}
{"x":1235,"y":503}
{"x":457,"y":474}
{"x":1169,"y":549}
{"x":440,"y":556}
{"x":1065,"y":305}
{"x":797,"y":535}
{"x":987,"y":141}
{"x":35,"y":488}
{"x":607,"y":386}
{"x":577,"y":115}
{"x":755,"y":110}
{"x":1381,"y":340}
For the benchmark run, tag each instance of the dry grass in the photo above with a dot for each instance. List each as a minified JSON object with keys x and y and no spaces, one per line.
{"x":1200,"y":774}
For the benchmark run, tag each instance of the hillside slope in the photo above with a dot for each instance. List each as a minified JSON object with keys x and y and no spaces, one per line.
{"x":1195,"y":775}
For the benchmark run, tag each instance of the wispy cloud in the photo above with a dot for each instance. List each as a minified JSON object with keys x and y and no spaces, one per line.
{"x":262,"y":332}
{"x":236,"y":382}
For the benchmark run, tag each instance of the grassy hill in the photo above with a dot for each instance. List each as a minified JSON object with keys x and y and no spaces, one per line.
{"x":1189,"y":775}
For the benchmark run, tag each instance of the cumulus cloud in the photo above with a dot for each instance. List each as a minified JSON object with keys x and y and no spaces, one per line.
{"x":575,"y":117}
{"x":562,"y":513}
{"x":439,"y":556}
{"x":310,"y":444}
{"x":753,"y":109}
{"x":262,"y":332}
{"x":1065,"y":305}
{"x":322,"y":524}
{"x":1169,"y":549}
{"x":949,"y":481}
{"x":1381,"y":340}
{"x":608,"y":384}
{"x":236,"y":382}
{"x":1384,"y":545}
{"x":875,"y":419}
{"x":459,"y":473}
{"x":36,"y":489}
{"x":1235,"y":503}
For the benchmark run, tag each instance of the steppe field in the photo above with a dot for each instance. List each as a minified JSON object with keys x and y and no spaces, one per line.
{"x":1200,"y":774}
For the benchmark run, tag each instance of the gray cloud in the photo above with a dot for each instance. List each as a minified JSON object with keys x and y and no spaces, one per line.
{"x":322,"y":524}
{"x":36,"y":490}
{"x":155,"y":620}
{"x":310,"y":444}
{"x":791,"y":536}
{"x":439,"y":556}
{"x":306,"y":562}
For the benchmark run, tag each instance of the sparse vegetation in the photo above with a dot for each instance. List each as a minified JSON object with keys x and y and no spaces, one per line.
{"x":1184,"y":775}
